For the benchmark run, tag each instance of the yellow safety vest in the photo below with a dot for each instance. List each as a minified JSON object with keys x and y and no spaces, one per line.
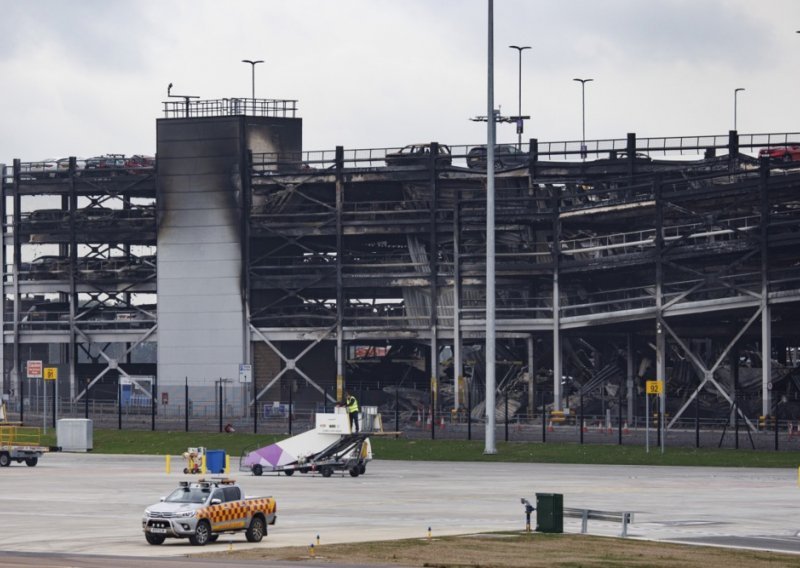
{"x":352,"y":405}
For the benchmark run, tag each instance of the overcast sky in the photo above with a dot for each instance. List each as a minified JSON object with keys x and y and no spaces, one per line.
{"x":88,"y":77}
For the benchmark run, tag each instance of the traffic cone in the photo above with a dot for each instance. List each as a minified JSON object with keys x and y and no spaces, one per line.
{"x":550,"y":426}
{"x":441,"y":423}
{"x":419,"y":418}
{"x":625,"y":429}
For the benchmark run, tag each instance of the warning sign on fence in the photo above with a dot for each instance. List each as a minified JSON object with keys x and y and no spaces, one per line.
{"x":34,"y":369}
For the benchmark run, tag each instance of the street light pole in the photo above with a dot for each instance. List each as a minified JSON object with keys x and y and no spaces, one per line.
{"x":735,"y":104}
{"x":253,"y":78}
{"x":583,"y":115}
{"x":519,"y":93}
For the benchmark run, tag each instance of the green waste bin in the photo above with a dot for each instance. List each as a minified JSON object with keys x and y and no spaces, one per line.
{"x":550,"y":512}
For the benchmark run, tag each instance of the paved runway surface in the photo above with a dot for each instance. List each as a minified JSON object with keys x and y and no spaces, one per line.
{"x":92,"y":504}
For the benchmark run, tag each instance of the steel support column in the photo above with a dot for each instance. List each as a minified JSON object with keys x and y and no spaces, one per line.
{"x":458,"y":364}
{"x":661,"y":342}
{"x":433,"y":263}
{"x":556,"y":254}
{"x":340,"y":354}
{"x":766,"y":328}
{"x":4,"y":230}
{"x":17,"y":254}
{"x":72,"y":207}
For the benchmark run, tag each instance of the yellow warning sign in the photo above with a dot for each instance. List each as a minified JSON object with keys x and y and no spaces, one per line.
{"x":51,"y":373}
{"x":655,"y":387}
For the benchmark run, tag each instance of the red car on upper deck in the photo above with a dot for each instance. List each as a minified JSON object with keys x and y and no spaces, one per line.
{"x":788,"y":153}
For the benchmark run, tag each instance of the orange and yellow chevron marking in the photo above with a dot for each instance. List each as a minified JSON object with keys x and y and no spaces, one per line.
{"x":231,"y":513}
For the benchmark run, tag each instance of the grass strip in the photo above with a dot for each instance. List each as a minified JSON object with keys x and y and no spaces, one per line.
{"x":109,"y":441}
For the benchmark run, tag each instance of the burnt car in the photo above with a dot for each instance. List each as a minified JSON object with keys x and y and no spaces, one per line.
{"x":43,"y":220}
{"x":506,"y":156}
{"x":788,"y":153}
{"x":46,"y":267}
{"x":419,"y":155}
{"x":139,"y":163}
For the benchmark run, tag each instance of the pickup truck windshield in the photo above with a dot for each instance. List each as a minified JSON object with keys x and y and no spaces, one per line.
{"x":189,"y":495}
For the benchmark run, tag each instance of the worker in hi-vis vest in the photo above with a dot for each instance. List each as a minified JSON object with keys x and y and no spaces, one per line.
{"x":352,"y":411}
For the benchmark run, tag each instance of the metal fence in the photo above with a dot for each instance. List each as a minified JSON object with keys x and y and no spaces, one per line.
{"x":203,"y":413}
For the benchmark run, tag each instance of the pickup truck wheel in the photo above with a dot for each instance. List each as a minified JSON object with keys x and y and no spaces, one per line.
{"x":5,"y":459}
{"x":257,"y":470}
{"x":30,"y":462}
{"x":326,"y":471}
{"x":289,"y":472}
{"x":202,"y":534}
{"x":256,"y":530}
{"x":154,"y":538}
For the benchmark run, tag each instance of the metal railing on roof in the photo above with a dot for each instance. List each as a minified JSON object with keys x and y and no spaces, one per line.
{"x":189,"y":108}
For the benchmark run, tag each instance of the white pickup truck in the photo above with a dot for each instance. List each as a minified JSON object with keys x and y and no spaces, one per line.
{"x":202,"y":510}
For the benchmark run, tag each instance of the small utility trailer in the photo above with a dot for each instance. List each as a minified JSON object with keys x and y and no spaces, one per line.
{"x":20,"y":443}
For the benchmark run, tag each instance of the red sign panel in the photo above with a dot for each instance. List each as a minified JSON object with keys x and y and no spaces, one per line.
{"x":34,"y":369}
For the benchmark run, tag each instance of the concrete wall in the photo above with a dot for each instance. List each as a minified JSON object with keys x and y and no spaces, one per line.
{"x":202,"y":320}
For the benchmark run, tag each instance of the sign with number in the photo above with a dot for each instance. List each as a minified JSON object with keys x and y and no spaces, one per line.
{"x":51,"y":373}
{"x":655,"y":387}
{"x":34,"y":369}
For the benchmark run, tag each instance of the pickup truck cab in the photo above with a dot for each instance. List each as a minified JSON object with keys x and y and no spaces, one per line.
{"x":202,"y":510}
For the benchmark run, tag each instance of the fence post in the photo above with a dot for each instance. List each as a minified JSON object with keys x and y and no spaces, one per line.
{"x":506,"y":403}
{"x":55,"y":402}
{"x":776,"y":427}
{"x":697,"y":422}
{"x":220,"y":404}
{"x":396,"y":410}
{"x":86,"y":401}
{"x":290,"y":408}
{"x":544,"y":420}
{"x":619,"y":417}
{"x":186,"y":403}
{"x":581,"y":424}
{"x":119,"y":403}
{"x":154,"y":389}
{"x":469,"y":413}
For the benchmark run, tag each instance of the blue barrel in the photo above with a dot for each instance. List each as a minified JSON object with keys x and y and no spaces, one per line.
{"x":215,"y":461}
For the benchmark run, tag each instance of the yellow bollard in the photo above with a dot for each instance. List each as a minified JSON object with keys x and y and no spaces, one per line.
{"x":168,"y":462}
{"x":311,"y":550}
{"x":203,"y":464}
{"x":227,"y":464}
{"x":317,"y":540}
{"x":429,"y":533}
